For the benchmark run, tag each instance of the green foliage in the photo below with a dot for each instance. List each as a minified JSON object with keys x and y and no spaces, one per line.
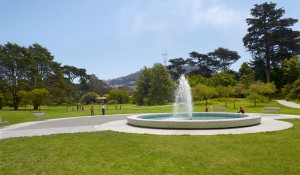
{"x":1,"y":100}
{"x":224,"y":58}
{"x":291,"y":70}
{"x":153,"y":86}
{"x":25,"y":97}
{"x":197,"y":79}
{"x":39,"y":97}
{"x":239,"y":90}
{"x":160,"y":85}
{"x":292,"y":91}
{"x":271,"y":38}
{"x":259,"y":92}
{"x":201,"y":91}
{"x":246,"y":75}
{"x":119,"y":95}
{"x":176,"y":67}
{"x":222,"y":79}
{"x":205,"y":64}
{"x":224,"y":93}
{"x":89,"y":98}
{"x":97,"y":86}
{"x":143,"y":86}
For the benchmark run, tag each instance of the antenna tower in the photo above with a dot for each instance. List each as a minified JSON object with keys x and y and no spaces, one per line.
{"x":164,"y":56}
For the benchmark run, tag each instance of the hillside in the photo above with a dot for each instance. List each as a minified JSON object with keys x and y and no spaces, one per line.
{"x":128,"y":80}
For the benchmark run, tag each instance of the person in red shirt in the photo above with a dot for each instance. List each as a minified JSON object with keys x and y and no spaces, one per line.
{"x":241,"y":110}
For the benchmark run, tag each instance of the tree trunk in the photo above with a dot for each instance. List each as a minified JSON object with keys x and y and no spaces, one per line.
{"x":15,"y":102}
{"x":268,"y":62}
{"x":35,"y":106}
{"x":268,"y":74}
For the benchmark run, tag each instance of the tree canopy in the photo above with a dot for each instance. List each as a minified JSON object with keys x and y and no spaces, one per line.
{"x":270,"y":37}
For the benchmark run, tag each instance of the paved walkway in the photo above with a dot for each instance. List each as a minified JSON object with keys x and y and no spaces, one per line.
{"x":289,"y":104}
{"x":118,"y":123}
{"x":57,"y":126}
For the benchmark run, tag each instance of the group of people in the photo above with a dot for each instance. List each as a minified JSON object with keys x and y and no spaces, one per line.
{"x":93,"y":110}
{"x":240,"y":111}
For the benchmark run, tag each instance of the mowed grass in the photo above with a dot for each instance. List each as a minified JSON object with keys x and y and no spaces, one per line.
{"x":61,"y":111}
{"x":110,"y":152}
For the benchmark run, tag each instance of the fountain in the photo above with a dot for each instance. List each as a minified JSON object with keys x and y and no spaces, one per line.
{"x":183,"y":107}
{"x":184,"y":118}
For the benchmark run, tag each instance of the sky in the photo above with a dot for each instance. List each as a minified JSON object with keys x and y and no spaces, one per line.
{"x":114,"y":38}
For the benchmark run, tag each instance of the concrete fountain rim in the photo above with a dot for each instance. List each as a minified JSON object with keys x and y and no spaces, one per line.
{"x":248,"y":120}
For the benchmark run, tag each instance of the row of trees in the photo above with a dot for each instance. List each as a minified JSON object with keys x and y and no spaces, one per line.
{"x":270,"y":40}
{"x":203,"y":64}
{"x":274,"y":47}
{"x":33,"y":67}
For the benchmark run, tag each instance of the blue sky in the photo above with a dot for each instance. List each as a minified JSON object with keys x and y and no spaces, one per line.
{"x":113,"y":38}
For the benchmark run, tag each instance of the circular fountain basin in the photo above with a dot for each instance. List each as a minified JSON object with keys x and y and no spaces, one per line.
{"x":199,"y":120}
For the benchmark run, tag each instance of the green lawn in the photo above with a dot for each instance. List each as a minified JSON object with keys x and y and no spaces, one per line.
{"x":110,"y":152}
{"x":122,"y":153}
{"x":52,"y":112}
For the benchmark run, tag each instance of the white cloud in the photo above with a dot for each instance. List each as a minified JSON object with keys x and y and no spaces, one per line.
{"x":162,"y":16}
{"x":205,"y":13}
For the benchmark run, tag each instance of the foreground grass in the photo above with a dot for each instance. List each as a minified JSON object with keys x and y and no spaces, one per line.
{"x":53,"y":112}
{"x":122,"y":153}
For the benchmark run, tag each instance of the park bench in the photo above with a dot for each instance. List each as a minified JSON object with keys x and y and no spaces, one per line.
{"x":40,"y":114}
{"x":271,"y":109}
{"x":219,"y":109}
{"x":3,"y":121}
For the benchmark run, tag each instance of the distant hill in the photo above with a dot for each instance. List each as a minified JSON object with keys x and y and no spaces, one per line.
{"x":128,"y":80}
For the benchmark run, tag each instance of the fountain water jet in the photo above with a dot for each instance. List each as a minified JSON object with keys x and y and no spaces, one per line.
{"x":183,"y":107}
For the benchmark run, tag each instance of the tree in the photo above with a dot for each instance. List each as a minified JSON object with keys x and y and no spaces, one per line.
{"x":224,"y":93}
{"x":153,"y":86}
{"x":224,"y":57}
{"x":58,"y":87}
{"x":201,"y":91}
{"x":269,"y":37}
{"x":14,"y":66}
{"x":291,"y":70}
{"x":197,"y":79}
{"x":96,"y":85}
{"x":25,"y":97}
{"x":143,"y":86}
{"x":160,"y":85}
{"x":119,"y":95}
{"x":205,"y":65}
{"x":222,"y":79}
{"x":41,"y":65}
{"x":292,"y":91}
{"x":259,"y":92}
{"x":1,"y":100}
{"x":39,"y":97}
{"x":258,"y":67}
{"x":89,"y":98}
{"x":176,"y":67}
{"x":246,"y":75}
{"x":291,"y":74}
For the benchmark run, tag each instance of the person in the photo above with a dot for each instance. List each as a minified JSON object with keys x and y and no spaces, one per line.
{"x":103,"y":110}
{"x":206,"y":108}
{"x":241,"y":110}
{"x":92,"y":110}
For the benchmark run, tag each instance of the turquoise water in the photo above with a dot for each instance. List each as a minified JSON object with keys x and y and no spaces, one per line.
{"x":196,"y":116}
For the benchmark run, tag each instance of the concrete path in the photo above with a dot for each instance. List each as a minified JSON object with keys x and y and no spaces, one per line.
{"x":118,"y":123}
{"x":289,"y":104}
{"x":57,"y":126}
